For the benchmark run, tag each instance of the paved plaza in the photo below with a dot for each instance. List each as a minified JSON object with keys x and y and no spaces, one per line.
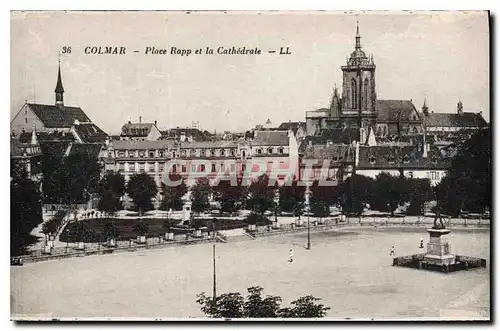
{"x":349,"y":268}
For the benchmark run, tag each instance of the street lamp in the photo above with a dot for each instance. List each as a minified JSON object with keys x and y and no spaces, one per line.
{"x":308,"y":209}
{"x":213,"y":254}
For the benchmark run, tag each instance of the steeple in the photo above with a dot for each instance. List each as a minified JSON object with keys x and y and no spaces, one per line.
{"x":358,"y":37}
{"x":425,"y":109}
{"x":59,"y":87}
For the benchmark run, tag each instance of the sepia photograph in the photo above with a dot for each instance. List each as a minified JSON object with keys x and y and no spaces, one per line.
{"x":250,"y":166}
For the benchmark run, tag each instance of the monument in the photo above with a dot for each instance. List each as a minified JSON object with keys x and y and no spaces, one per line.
{"x":438,"y":247}
{"x":438,"y":256}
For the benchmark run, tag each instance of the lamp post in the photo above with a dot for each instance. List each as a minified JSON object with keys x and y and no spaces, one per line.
{"x":308,"y":209}
{"x":213,"y":253}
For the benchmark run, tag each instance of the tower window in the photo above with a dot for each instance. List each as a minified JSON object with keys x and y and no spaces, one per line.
{"x":353,"y":94}
{"x":366,"y":94}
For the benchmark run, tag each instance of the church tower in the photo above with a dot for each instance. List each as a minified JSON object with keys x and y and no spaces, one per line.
{"x":335,"y":105}
{"x":59,"y":88}
{"x":358,"y":89}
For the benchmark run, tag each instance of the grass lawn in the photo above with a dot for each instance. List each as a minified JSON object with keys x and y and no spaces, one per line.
{"x":126,"y":228}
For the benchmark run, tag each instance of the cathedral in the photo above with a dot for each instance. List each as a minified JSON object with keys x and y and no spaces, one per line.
{"x":358,"y":107}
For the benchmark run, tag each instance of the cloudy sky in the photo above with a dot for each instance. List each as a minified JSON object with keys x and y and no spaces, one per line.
{"x":441,"y":55}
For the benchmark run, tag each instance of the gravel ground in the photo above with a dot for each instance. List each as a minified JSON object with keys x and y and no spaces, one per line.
{"x":350,"y":269}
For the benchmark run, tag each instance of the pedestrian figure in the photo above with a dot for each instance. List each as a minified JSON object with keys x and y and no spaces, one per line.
{"x":421,"y":243}
{"x":392,"y":250}
{"x":290,"y":257}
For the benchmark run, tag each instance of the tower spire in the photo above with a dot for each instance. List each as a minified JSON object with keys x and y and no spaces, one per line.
{"x":358,"y":37}
{"x":59,"y":87}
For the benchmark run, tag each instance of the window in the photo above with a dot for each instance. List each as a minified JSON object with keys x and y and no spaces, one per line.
{"x":433,"y":175}
{"x":243,"y":167}
{"x":391,"y":159}
{"x":371,"y":159}
{"x":202,"y":167}
{"x":193,"y":167}
{"x":406,"y":159}
{"x":233,"y":152}
{"x":212,"y":152}
{"x":183,"y":152}
{"x":184,"y":168}
{"x":222,"y":152}
{"x":353,"y":94}
{"x":243,"y":153}
{"x":259,"y":151}
{"x":26,"y":120}
{"x":280,"y":150}
{"x":410,"y":174}
{"x":142,"y":153}
{"x":202,"y":152}
{"x":121,"y":153}
{"x":366,"y":94}
{"x":193,"y":152}
{"x":213,"y":167}
{"x":434,"y":159}
{"x":131,"y":153}
{"x":174,"y":168}
{"x":160,"y":153}
{"x":270,"y":150}
{"x":151,"y":154}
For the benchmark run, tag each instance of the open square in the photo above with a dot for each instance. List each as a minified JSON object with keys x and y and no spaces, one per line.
{"x":349,"y":269}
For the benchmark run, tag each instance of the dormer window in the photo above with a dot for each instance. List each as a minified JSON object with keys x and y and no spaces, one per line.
{"x":280,"y":150}
{"x":372,"y":159}
{"x":259,"y":151}
{"x":151,"y":154}
{"x":434,"y":159}
{"x":183,"y":152}
{"x":222,"y":152}
{"x":193,"y":152}
{"x":391,"y":159}
{"x":406,"y":159}
{"x":270,"y":150}
{"x":161,"y":153}
{"x":202,"y":152}
{"x":233,"y":152}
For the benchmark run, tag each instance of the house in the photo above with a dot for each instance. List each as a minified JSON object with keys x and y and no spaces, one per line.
{"x":140,"y":131}
{"x":28,"y":155}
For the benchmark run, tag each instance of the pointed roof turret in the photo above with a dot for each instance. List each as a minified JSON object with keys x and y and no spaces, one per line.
{"x":34,"y":140}
{"x":59,"y":85}
{"x":358,"y":37}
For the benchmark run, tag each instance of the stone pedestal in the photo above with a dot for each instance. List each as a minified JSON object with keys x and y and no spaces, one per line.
{"x":438,"y":248}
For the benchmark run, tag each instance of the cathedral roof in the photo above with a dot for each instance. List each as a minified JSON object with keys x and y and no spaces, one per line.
{"x":395,"y":110}
{"x":58,"y":116}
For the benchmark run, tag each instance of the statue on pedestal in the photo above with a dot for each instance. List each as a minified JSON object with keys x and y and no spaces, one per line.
{"x":438,"y":217}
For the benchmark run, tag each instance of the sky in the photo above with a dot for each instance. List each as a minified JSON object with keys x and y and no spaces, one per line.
{"x":441,"y":56}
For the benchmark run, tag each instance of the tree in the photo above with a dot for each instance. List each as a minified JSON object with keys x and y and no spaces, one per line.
{"x":261,"y":195}
{"x":25,"y":210}
{"x":109,"y":230}
{"x":356,"y":193}
{"x":468,"y":183}
{"x":234,"y":305}
{"x":172,"y":195}
{"x":389,"y":192}
{"x":421,"y":192}
{"x":79,"y":177}
{"x":322,"y":197}
{"x":111,"y":188}
{"x":141,"y":188}
{"x":229,"y":196}
{"x":292,"y":198}
{"x":200,"y":194}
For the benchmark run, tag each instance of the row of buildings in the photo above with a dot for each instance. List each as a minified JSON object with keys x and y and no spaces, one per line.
{"x":357,"y":133}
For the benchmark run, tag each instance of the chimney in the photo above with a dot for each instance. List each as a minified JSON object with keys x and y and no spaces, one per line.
{"x":156,"y":123}
{"x":460,"y":108}
{"x":140,"y":119}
